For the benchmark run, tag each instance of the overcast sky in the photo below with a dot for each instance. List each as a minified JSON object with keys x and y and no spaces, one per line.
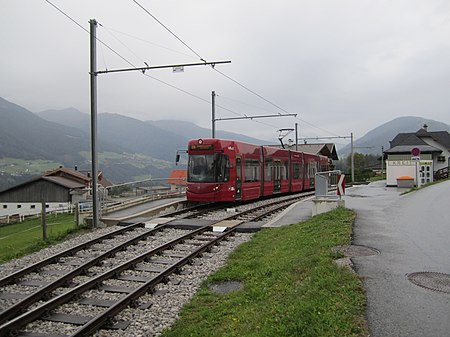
{"x":342,"y":66}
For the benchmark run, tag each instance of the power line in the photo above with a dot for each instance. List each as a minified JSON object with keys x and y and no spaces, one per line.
{"x":166,"y":28}
{"x":168,"y":84}
{"x":79,"y":25}
{"x":149,"y":42}
{"x":221,"y":73}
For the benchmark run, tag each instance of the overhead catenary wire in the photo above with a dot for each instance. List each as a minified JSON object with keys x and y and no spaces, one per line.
{"x":149,"y":42}
{"x":166,"y":28}
{"x":203,"y":59}
{"x":193,"y":51}
{"x":87,"y":31}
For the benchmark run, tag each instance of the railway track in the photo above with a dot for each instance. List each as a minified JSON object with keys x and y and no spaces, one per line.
{"x":103,"y":278}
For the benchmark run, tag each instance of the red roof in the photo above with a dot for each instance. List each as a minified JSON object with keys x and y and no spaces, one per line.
{"x":178,"y":177}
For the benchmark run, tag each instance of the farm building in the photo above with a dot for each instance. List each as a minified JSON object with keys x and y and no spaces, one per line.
{"x":430,"y":157}
{"x":58,"y":189}
{"x":177,"y":180}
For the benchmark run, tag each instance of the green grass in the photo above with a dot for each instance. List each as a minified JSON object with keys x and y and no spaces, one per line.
{"x":292,"y":287}
{"x":25,"y":237}
{"x":415,"y":188}
{"x":21,"y":166}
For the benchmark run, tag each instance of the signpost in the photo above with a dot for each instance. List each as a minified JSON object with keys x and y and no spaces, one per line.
{"x":415,"y":156}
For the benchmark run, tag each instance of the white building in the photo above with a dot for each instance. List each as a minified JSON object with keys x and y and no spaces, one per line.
{"x":434,"y":155}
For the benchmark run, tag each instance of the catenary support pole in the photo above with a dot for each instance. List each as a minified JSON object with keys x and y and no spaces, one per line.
{"x":93,"y":28}
{"x":352,"y":159}
{"x":213,"y":100}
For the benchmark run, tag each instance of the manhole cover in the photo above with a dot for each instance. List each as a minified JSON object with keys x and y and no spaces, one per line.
{"x":225,"y":287}
{"x":431,"y":280}
{"x":353,"y":250}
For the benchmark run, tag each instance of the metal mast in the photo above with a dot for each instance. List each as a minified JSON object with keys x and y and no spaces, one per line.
{"x":93,"y":73}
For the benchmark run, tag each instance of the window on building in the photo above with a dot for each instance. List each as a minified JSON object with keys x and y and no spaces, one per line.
{"x":33,"y":206}
{"x":5,"y":206}
{"x":19,"y":206}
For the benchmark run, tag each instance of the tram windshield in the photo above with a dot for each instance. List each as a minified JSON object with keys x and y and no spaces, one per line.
{"x":208,"y":168}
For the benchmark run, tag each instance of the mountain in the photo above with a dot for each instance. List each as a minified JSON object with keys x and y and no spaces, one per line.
{"x":191,"y":131}
{"x":159,"y":139}
{"x":30,"y":145}
{"x":372,"y":141}
{"x":25,"y":135}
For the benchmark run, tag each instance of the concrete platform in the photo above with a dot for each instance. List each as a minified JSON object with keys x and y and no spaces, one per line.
{"x":143,"y":211}
{"x":295,"y":213}
{"x":298,"y":212}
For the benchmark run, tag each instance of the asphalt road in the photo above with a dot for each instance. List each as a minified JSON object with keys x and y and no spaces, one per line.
{"x":412,"y":233}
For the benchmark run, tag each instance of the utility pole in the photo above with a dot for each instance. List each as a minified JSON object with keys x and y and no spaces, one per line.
{"x":352,"y":159}
{"x":93,"y":76}
{"x":382,"y":162}
{"x":93,"y":73}
{"x":339,"y":137}
{"x":296,"y":136}
{"x":213,"y":97}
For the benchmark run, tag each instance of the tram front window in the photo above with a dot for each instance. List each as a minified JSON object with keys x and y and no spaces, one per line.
{"x":208,"y":168}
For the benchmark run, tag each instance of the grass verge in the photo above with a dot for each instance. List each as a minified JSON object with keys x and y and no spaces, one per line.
{"x":25,"y":237}
{"x":292,"y":287}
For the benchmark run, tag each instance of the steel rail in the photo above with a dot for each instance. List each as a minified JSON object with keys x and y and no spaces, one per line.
{"x":97,"y":322}
{"x":31,"y":315}
{"x":21,"y":306}
{"x":12,"y":278}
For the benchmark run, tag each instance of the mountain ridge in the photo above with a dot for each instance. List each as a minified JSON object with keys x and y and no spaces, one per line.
{"x":131,"y":148}
{"x":373,"y":141}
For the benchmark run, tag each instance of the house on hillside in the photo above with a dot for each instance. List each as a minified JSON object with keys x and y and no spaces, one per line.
{"x":177,"y":180}
{"x":433,"y":155}
{"x":58,"y":189}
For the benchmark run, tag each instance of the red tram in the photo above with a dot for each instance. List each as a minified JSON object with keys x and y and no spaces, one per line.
{"x":227,"y":170}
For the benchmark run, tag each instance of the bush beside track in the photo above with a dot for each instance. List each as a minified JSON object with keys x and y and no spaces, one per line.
{"x":291,"y":286}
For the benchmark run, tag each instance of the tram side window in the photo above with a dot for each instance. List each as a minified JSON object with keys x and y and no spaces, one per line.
{"x":251,"y":170}
{"x":222,"y":168}
{"x":285,"y":171}
{"x":268,"y":170}
{"x":296,"y":173}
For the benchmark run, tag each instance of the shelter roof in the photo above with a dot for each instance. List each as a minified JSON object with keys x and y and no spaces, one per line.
{"x":64,"y":182}
{"x":324,"y":149}
{"x":68,"y":172}
{"x":408,"y":148}
{"x":417,"y":138}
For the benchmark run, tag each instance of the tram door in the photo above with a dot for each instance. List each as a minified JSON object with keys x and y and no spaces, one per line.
{"x":277,"y":176}
{"x":238,"y":178}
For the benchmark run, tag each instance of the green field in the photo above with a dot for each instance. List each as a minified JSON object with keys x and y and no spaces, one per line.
{"x":21,"y":166}
{"x":25,"y":237}
{"x":292,"y":287}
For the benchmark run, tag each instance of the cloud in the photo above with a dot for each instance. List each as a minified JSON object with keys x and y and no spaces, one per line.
{"x":343,"y":66}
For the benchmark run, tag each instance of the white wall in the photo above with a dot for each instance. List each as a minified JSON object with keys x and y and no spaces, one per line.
{"x":25,"y":208}
{"x":398,"y":168}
